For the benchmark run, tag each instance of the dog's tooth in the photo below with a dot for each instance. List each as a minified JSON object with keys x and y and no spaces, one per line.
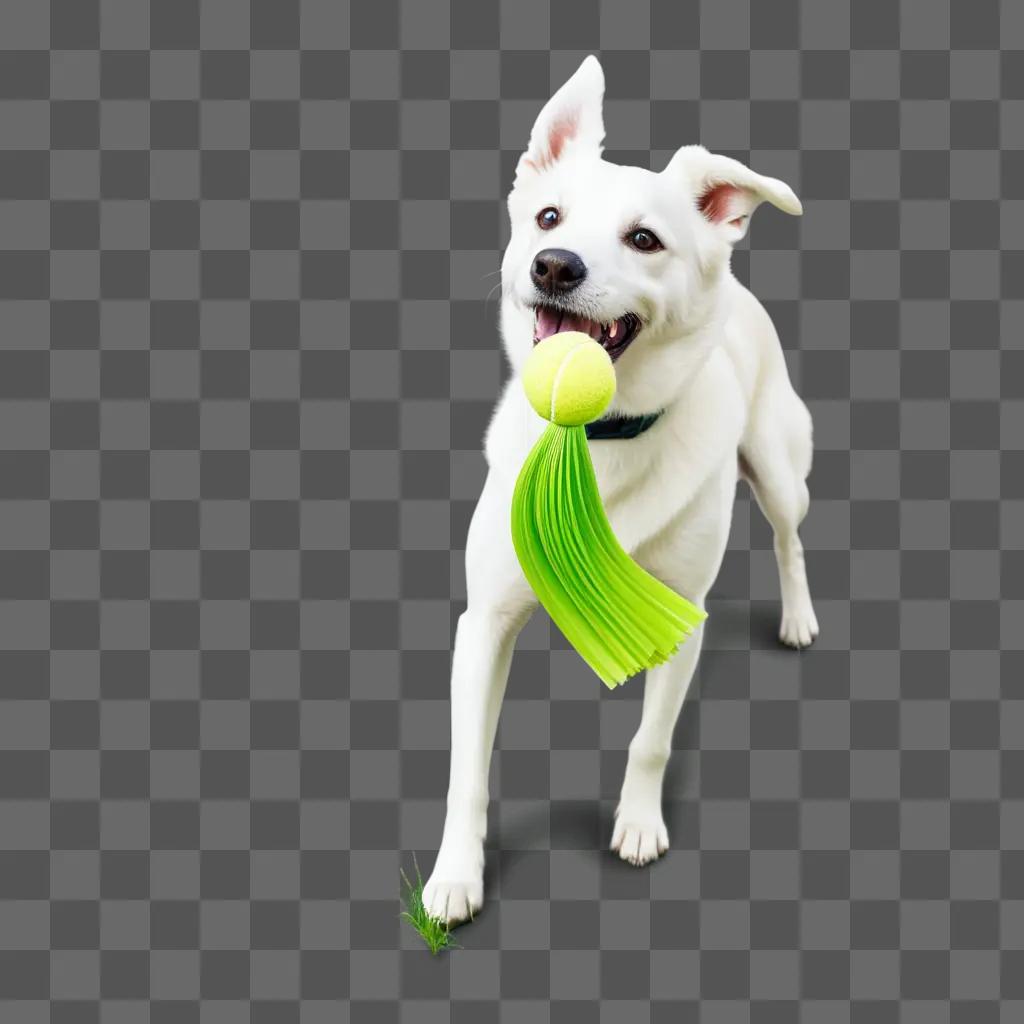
{"x":613,"y":330}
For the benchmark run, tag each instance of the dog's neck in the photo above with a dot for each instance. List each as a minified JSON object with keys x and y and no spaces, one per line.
{"x":621,"y":428}
{"x":665,"y":373}
{"x":662,"y":368}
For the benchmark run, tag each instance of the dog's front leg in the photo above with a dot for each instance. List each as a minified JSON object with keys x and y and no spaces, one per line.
{"x":639,"y":834}
{"x":499,"y":602}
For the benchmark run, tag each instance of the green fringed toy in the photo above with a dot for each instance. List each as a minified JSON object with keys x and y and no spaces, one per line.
{"x":618,"y":616}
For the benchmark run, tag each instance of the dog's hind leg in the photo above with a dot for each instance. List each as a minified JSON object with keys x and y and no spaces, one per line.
{"x":499,"y":602}
{"x":775,"y":458}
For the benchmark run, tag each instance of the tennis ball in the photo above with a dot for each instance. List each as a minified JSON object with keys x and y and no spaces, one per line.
{"x":569,"y":379}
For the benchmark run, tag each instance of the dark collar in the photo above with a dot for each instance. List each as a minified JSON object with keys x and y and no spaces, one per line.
{"x":621,"y":428}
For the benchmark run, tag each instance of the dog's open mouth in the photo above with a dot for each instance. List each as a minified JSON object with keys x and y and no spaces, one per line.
{"x":615,"y":336}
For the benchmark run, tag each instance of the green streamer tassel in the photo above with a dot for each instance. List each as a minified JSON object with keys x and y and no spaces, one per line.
{"x":618,"y":616}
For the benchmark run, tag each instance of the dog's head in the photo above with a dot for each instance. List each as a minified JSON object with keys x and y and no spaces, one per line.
{"x":629,"y":256}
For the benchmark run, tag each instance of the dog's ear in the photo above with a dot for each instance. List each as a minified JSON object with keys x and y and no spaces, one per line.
{"x":727,"y":192}
{"x":571,"y":118}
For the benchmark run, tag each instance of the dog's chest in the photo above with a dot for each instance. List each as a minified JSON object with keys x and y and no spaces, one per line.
{"x":621,"y":465}
{"x":645,"y":481}
{"x":627,"y":466}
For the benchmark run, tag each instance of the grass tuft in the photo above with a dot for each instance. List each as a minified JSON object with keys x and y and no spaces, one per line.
{"x":436,"y":934}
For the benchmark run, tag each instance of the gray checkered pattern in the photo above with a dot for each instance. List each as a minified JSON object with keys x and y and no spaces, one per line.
{"x":247,"y":354}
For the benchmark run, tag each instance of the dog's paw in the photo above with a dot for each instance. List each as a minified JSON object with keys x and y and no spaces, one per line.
{"x":639,"y":838}
{"x":453,"y":902}
{"x":799,"y":628}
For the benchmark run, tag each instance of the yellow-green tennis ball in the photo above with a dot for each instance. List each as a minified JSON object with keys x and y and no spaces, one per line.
{"x":569,"y":379}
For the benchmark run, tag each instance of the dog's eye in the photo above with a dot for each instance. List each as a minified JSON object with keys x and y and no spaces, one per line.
{"x":644,"y":240}
{"x":548,"y":217}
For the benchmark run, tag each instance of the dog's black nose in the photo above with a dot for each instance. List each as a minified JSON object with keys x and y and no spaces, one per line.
{"x":557,"y":270}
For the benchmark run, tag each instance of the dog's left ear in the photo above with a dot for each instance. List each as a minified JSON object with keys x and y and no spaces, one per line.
{"x":571,"y":118}
{"x":727,"y":192}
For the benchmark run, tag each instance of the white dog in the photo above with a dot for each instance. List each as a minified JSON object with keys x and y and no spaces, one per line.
{"x":640,"y":261}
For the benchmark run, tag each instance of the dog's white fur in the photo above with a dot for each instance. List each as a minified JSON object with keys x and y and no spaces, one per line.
{"x":709,"y":355}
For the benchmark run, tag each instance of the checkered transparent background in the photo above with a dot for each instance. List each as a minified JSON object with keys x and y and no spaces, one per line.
{"x":247,"y":353}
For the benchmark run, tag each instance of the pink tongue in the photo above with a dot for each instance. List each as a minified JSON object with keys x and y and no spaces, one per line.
{"x":551,"y":321}
{"x":547,"y":323}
